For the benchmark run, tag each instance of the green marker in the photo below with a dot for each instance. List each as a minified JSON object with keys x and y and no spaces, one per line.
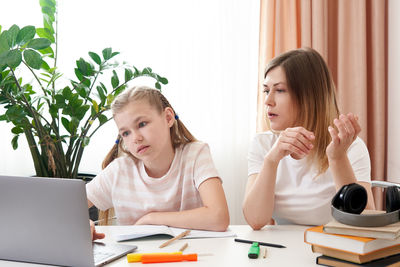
{"x":254,"y":250}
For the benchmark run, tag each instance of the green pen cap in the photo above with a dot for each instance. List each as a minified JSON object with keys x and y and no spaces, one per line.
{"x":254,"y":251}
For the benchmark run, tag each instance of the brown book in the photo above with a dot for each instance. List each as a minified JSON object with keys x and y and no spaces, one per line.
{"x":391,"y":231}
{"x":391,"y":261}
{"x":352,"y":244}
{"x":357,"y":258}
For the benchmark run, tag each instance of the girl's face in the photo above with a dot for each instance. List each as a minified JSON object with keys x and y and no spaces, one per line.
{"x":281,"y":108}
{"x":145,"y":132}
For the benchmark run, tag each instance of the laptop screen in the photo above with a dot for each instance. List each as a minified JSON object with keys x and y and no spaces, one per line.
{"x":45,"y":220}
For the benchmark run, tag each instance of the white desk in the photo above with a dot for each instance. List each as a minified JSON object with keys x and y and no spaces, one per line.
{"x":225,"y":251}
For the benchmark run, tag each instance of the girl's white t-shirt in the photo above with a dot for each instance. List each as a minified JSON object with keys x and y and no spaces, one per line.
{"x":300,"y":196}
{"x":125,"y":185}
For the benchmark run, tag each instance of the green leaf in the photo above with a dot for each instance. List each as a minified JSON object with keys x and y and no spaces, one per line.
{"x":110,"y":99}
{"x":13,"y":58}
{"x":158,"y":85}
{"x":45,"y":66}
{"x":147,"y":70}
{"x":78,"y":74}
{"x":163,"y":80}
{"x":102,"y":119}
{"x":26,"y":34}
{"x":3,"y":117}
{"x":39,"y":43}
{"x":65,"y":123}
{"x":45,"y":33}
{"x":107,"y":53}
{"x":49,"y":11}
{"x":60,"y":100}
{"x":81,"y":111}
{"x":114,"y":80}
{"x":86,"y":141}
{"x":128,"y":75}
{"x":48,"y":52}
{"x":17,"y":130}
{"x":14,"y":142}
{"x":4,"y":42}
{"x":67,"y":93}
{"x":104,"y":87}
{"x":53,"y":110}
{"x":33,"y":59}
{"x":12,"y":35}
{"x":96,"y":58}
{"x":95,"y":105}
{"x":84,"y":67}
{"x":101,"y":94}
{"x":3,"y":60}
{"x":114,"y":54}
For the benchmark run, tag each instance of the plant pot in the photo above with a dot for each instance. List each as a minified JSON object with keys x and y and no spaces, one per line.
{"x":93,"y":211}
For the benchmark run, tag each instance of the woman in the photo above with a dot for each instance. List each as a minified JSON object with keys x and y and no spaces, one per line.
{"x":311,"y":151}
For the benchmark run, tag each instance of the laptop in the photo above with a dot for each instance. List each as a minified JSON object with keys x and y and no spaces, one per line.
{"x":46,"y":221}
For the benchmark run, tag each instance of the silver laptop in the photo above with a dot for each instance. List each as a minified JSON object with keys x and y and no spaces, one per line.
{"x":46,"y":220}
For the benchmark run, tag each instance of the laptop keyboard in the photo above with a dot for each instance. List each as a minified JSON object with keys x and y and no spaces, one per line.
{"x":100,"y":253}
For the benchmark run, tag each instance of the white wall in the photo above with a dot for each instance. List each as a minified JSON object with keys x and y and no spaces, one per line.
{"x":393,"y":156}
{"x":208,"y":50}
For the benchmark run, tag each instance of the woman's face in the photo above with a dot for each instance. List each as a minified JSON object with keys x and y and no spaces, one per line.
{"x":281,"y":108}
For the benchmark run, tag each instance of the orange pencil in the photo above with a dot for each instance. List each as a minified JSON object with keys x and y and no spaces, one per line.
{"x":168,"y":258}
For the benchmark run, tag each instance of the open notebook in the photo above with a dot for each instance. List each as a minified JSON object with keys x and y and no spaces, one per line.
{"x":129,"y":232}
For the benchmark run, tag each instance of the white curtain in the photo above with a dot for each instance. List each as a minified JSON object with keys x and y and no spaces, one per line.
{"x":208,"y":50}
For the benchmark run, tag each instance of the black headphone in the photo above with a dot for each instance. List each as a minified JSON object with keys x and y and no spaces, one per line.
{"x":351,"y":200}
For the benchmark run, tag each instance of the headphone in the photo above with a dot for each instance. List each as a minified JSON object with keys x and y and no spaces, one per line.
{"x":351,"y":200}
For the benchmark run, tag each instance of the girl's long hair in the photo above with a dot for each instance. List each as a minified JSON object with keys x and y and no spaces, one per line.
{"x":313,"y":91}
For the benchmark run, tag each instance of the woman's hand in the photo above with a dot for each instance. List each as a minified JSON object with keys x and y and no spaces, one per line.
{"x":296,"y":142}
{"x":347,"y":129}
{"x":93,"y":232}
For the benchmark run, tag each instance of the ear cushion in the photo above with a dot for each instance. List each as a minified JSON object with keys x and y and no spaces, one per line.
{"x":351,"y":198}
{"x":392,"y":198}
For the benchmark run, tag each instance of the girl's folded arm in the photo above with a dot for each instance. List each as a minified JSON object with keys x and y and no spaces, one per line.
{"x":213,"y":216}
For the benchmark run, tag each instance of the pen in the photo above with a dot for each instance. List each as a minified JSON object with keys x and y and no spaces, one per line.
{"x":260,"y":243}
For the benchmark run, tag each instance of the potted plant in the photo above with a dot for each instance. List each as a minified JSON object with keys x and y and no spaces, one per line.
{"x":57,"y":121}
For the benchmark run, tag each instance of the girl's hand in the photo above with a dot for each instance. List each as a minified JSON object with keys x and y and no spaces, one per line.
{"x":296,"y":142}
{"x":145,"y":219}
{"x":347,"y":129}
{"x":93,"y":232}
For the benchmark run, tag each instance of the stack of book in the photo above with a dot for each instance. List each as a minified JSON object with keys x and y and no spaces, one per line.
{"x":346,"y":245}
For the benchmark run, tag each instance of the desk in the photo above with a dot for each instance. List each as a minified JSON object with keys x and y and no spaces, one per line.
{"x":225,"y":251}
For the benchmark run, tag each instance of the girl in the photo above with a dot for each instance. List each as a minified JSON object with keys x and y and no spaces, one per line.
{"x":296,"y":168}
{"x":166,"y":176}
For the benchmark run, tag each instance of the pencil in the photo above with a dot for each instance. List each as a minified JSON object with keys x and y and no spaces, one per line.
{"x":184,"y":247}
{"x":175,"y":238}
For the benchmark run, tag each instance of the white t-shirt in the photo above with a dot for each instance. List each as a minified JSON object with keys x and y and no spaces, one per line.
{"x":126,"y":186}
{"x":300,"y":198}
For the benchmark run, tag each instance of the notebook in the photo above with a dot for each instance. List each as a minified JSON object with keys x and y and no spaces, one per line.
{"x":46,"y":220}
{"x":129,"y":232}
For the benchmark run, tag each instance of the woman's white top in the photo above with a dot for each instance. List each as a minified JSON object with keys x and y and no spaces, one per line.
{"x":300,"y":196}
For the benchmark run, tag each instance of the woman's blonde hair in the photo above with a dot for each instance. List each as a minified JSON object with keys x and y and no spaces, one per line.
{"x":313,"y":91}
{"x":180,"y":135}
